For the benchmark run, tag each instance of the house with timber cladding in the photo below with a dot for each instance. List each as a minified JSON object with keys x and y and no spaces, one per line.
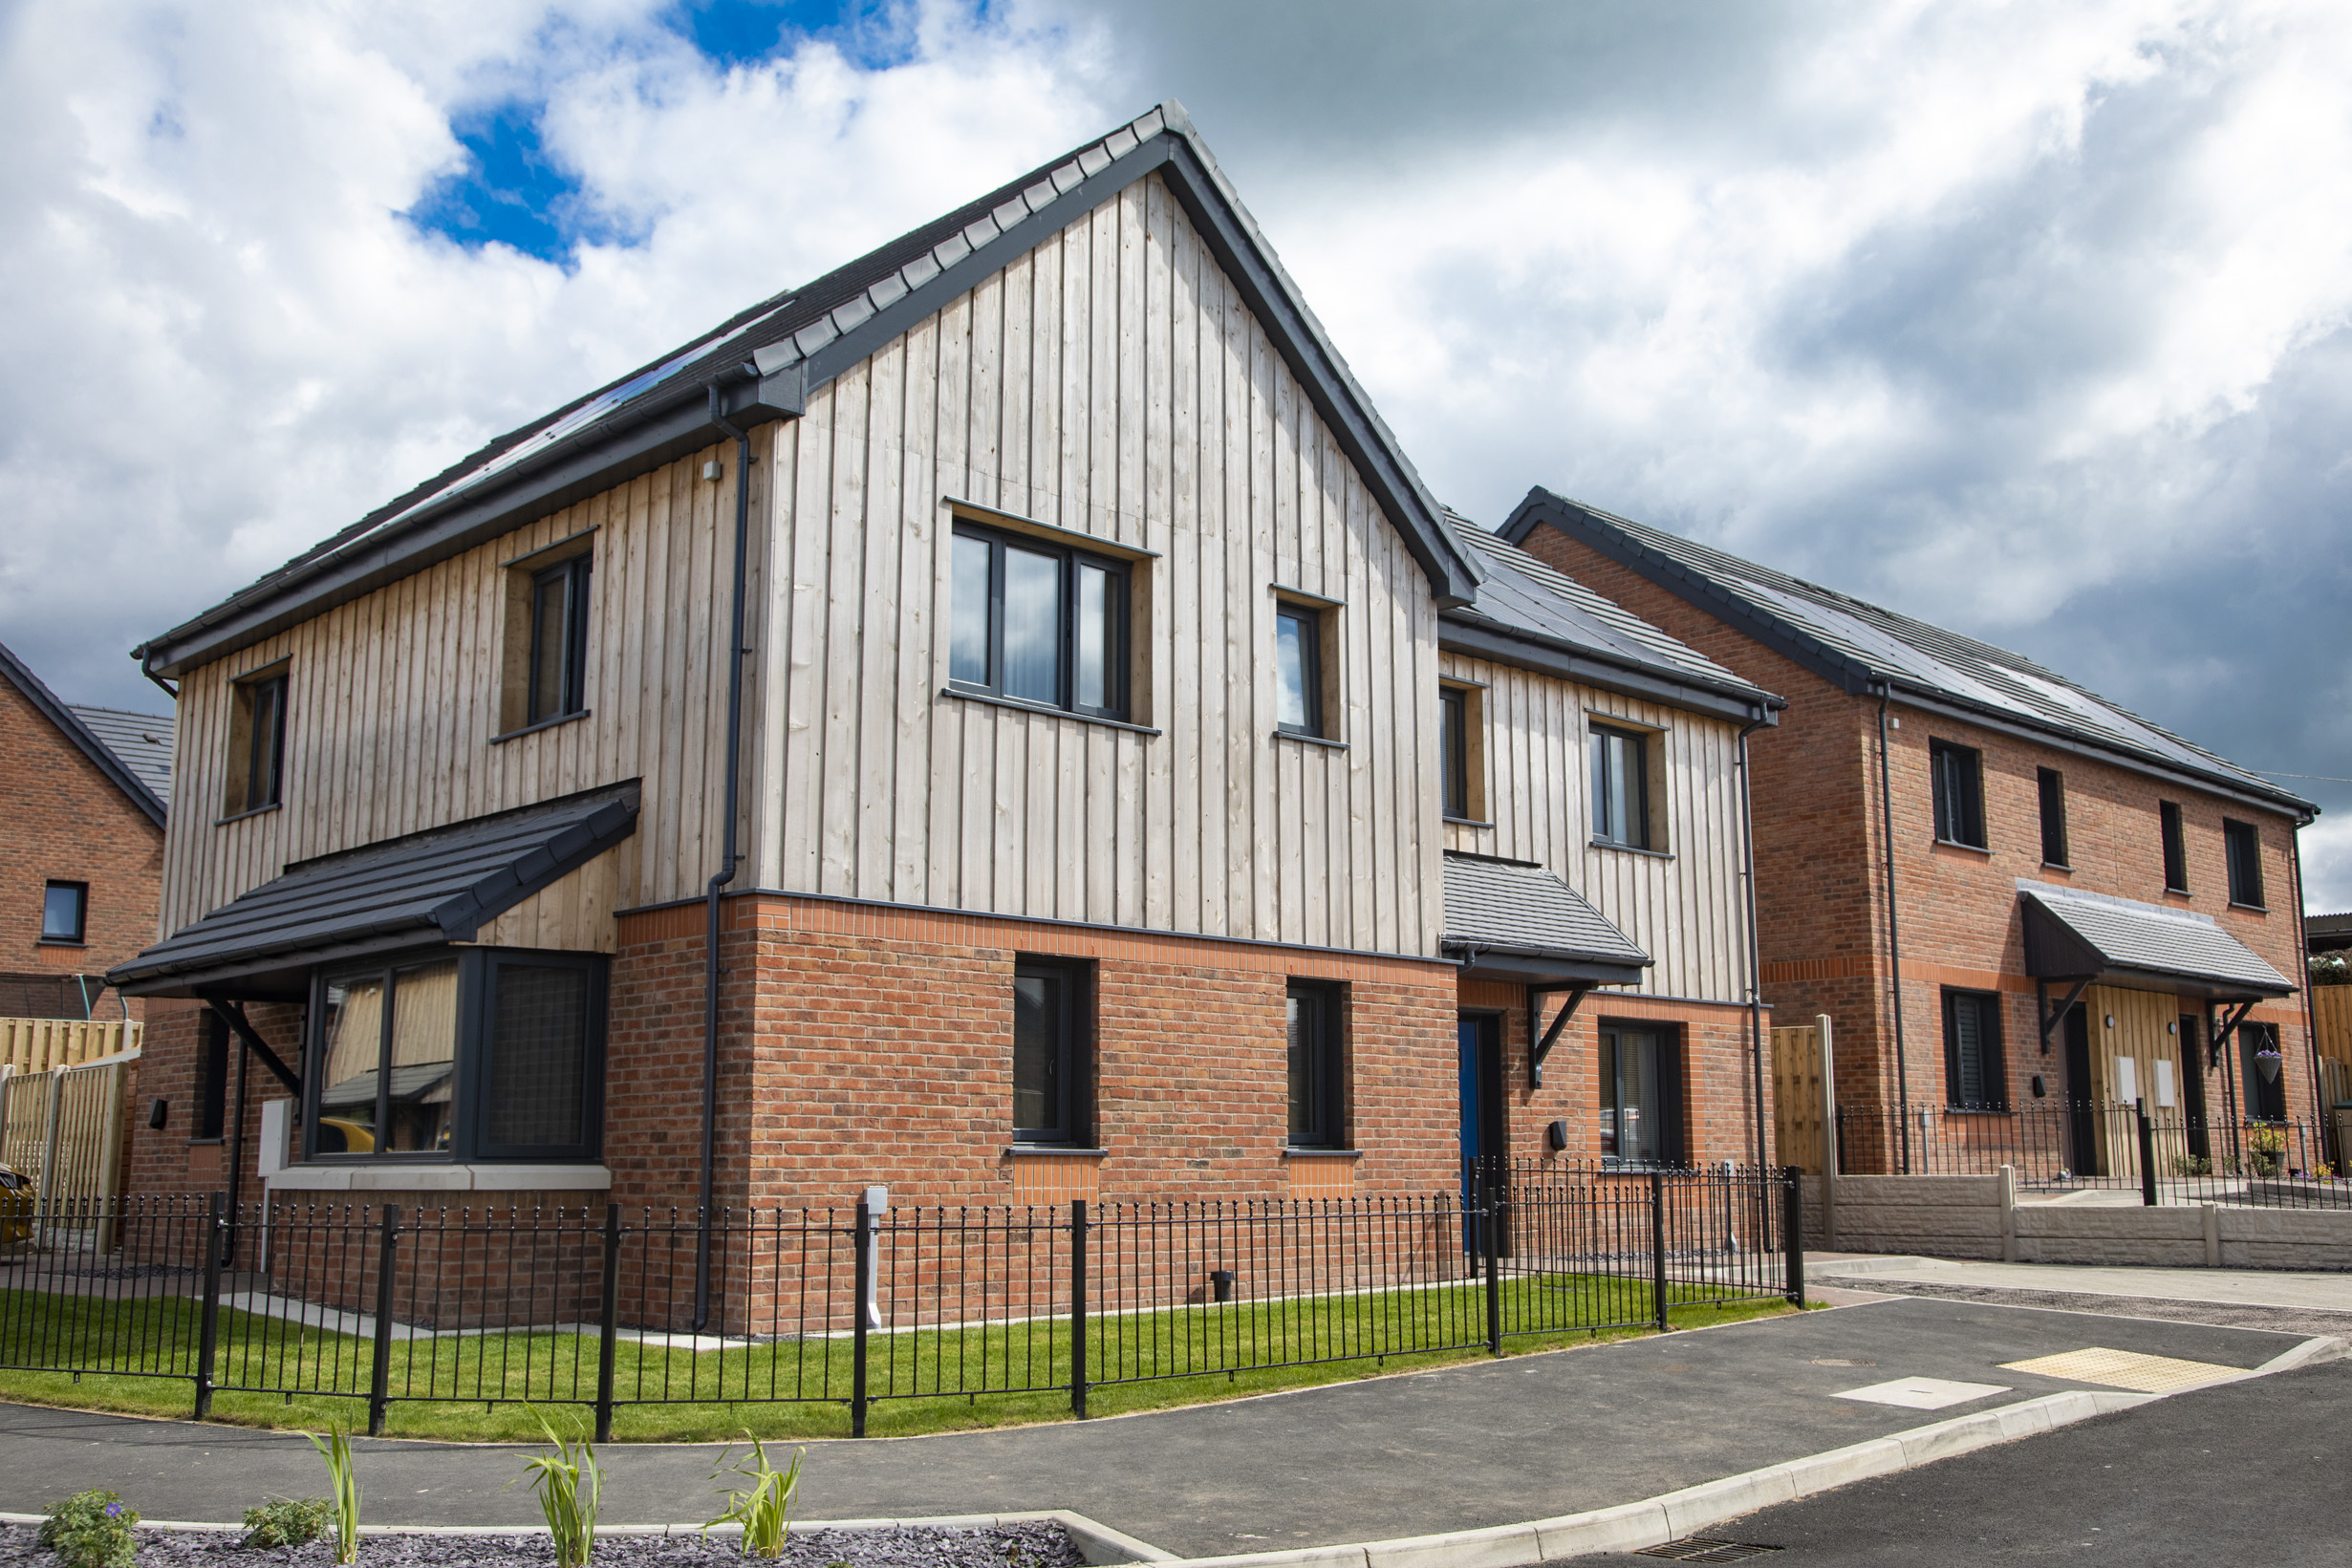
{"x":1004,"y":721}
{"x":2027,"y":911}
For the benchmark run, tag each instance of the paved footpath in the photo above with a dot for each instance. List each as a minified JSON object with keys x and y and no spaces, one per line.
{"x":1495,"y":1443}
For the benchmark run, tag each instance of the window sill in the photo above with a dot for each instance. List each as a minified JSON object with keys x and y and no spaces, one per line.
{"x":542,"y":724}
{"x":205,"y":1143}
{"x":1310,"y":740}
{"x":1466,"y":822}
{"x":1291,"y":1152}
{"x":1978,"y":1110}
{"x":1984,"y":850}
{"x":2176,"y":893}
{"x":1632,"y":849}
{"x":2250,"y":909}
{"x":257,"y":811}
{"x":1022,"y":1151}
{"x":1050,"y":712}
{"x":62,"y":941}
{"x":2057,"y":866}
{"x":435,"y":1177}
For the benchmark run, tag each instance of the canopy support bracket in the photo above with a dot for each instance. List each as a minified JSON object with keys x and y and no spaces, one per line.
{"x":2049,"y":1019}
{"x":1537,"y":997}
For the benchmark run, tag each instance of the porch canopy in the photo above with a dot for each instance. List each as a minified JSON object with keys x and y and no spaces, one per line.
{"x":439,"y":885}
{"x":2089,"y":938}
{"x":1516,"y":922}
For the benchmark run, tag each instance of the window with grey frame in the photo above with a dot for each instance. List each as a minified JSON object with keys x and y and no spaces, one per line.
{"x":1621,"y":787}
{"x":490,"y":1054}
{"x":2242,"y":843}
{"x":65,"y":912}
{"x":260,"y":769}
{"x":558,"y":678}
{"x":1038,"y":623}
{"x":2175,"y":847}
{"x":1316,"y":1068}
{"x":2051,"y":786}
{"x":1957,"y":774}
{"x":1640,"y":1083}
{"x":1051,"y":1092}
{"x":1454,"y":735}
{"x":1297,"y":669}
{"x":1972,"y":1072}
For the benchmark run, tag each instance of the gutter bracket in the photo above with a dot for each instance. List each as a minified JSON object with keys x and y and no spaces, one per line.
{"x":1537,"y":996}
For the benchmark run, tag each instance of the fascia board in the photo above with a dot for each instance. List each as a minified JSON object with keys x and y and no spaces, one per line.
{"x":36,"y":692}
{"x":1543,"y":656}
{"x":635,"y":442}
{"x":2075,"y":746}
{"x":1583,"y":525}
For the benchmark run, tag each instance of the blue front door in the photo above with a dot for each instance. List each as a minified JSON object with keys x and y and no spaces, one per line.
{"x":1480,"y":1067}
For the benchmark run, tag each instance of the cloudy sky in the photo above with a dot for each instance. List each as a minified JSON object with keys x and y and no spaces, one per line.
{"x":2034,"y":320}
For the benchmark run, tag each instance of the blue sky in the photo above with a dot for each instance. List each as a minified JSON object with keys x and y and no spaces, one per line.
{"x":2034,"y":321}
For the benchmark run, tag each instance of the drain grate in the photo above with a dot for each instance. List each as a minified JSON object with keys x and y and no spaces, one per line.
{"x":1705,"y":1549}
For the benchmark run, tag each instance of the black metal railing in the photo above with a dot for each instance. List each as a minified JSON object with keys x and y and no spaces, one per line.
{"x":389,"y":1304}
{"x":2169,"y":1157}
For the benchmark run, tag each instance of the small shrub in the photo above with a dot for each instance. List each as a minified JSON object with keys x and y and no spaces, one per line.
{"x":568,"y":1483}
{"x":91,"y":1530}
{"x":2191,"y":1164}
{"x":344,"y":1482}
{"x":764,"y":1507}
{"x":287,"y":1522}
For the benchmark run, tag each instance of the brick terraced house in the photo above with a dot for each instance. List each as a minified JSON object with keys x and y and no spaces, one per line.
{"x":1004,"y":721}
{"x":2022,"y":906}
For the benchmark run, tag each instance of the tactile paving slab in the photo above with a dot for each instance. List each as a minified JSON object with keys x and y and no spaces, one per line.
{"x":2124,"y":1369}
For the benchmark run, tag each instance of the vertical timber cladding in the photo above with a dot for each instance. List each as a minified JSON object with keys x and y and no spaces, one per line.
{"x":1111,"y":382}
{"x":393,"y":703}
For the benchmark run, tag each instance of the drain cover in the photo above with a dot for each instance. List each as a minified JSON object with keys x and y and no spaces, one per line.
{"x":1705,"y":1549}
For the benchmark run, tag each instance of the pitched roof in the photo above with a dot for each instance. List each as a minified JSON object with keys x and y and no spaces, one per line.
{"x":762,"y":362}
{"x":142,"y":740}
{"x":1524,"y":601}
{"x":118,"y":771}
{"x":1524,"y":910}
{"x":2071,"y":934}
{"x":442,"y":885}
{"x":1859,"y":646}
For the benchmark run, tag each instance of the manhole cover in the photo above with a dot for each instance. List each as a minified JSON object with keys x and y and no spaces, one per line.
{"x":1705,"y":1549}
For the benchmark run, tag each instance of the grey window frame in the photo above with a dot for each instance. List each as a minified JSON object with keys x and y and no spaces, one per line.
{"x":541,"y":706}
{"x":1991,"y":1055}
{"x":265,"y":786}
{"x":1956,"y":776}
{"x":1322,"y":1097}
{"x":2242,"y":843}
{"x":1599,"y":755}
{"x":1074,"y":1047}
{"x":1454,"y":765}
{"x":1309,"y":619}
{"x":2175,"y":836}
{"x":1673,"y":1133}
{"x":1116,"y":634}
{"x":475,"y":1000}
{"x":80,"y":935}
{"x":208,"y":1122}
{"x":2050,"y":790}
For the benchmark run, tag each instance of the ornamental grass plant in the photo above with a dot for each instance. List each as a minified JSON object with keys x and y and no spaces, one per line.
{"x":569,"y":1484}
{"x":764,"y":1507}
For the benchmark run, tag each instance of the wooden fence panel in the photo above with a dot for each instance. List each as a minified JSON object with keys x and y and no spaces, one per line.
{"x":1800,"y":1108}
{"x":33,"y":1045}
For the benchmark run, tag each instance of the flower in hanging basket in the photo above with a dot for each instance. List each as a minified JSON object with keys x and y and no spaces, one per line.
{"x":2266,"y":1061}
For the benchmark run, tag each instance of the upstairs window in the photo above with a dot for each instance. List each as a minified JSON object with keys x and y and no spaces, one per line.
{"x":1316,"y":1095}
{"x":65,"y":912}
{"x":1038,"y":623}
{"x":2053,"y":785}
{"x":558,"y":682}
{"x":1297,"y":669}
{"x":256,"y":743}
{"x":1454,"y":736}
{"x":1959,"y":773}
{"x":1973,"y":1050}
{"x":1621,"y":787}
{"x":2243,"y":844}
{"x":2175,"y":847}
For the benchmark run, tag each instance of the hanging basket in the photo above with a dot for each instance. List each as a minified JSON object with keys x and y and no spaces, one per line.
{"x":2267,"y":1064}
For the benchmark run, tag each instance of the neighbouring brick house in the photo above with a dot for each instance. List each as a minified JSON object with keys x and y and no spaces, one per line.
{"x":81,"y":858}
{"x":1130,"y":781}
{"x":2017,"y":901}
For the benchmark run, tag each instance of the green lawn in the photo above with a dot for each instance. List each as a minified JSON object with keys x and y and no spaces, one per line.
{"x":474,"y":1388}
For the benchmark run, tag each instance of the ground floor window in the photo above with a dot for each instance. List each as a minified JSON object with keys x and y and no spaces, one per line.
{"x":2263,"y":1072}
{"x":1641,"y":1093}
{"x":486,"y":1054}
{"x":1317,"y":1094}
{"x":1973,"y":1050}
{"x":1050,"y":1006}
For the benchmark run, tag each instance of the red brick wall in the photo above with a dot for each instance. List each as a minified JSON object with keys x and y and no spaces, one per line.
{"x":66,"y":820}
{"x":1818,"y":873}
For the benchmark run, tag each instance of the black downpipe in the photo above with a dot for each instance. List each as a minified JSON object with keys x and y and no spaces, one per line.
{"x":728,"y":859}
{"x":1895,"y":933}
{"x":1755,"y":957}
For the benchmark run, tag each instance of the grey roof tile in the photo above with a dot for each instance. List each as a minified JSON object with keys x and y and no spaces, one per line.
{"x":435,"y":886}
{"x":2153,"y":938}
{"x":1499,"y":906}
{"x":142,"y":741}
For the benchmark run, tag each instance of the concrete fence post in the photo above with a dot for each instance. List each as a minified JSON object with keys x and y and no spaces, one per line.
{"x":2212,"y":1235}
{"x":2009,"y":1214}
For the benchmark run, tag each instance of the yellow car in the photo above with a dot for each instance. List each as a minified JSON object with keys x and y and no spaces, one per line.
{"x":15,"y":1206}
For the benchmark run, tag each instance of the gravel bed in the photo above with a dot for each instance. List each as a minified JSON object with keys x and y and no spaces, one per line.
{"x":1037,"y":1545}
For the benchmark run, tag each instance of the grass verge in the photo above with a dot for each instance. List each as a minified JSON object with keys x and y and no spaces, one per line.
{"x":473,"y":1388}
